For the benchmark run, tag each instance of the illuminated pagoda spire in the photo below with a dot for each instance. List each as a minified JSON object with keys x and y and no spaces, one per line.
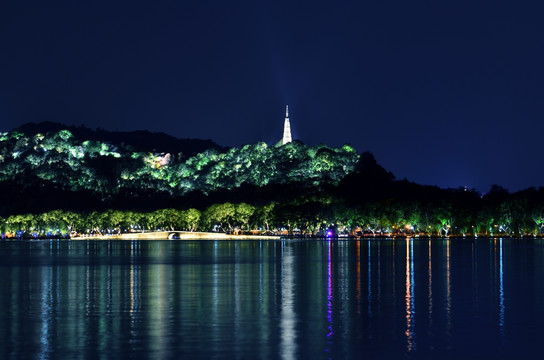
{"x":286,"y":128}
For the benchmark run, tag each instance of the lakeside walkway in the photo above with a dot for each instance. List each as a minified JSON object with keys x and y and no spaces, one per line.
{"x":175,"y":235}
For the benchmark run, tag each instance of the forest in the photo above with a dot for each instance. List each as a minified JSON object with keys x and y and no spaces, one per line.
{"x":57,"y":180}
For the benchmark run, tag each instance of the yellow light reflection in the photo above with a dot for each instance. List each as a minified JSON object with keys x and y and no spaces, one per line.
{"x":410,"y":299}
{"x":358,"y":285}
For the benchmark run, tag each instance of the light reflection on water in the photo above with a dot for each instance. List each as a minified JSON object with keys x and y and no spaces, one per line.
{"x":369,"y":292}
{"x":410,"y":298}
{"x":46,"y":314}
{"x":430,"y":285}
{"x":448,"y":286}
{"x":288,"y":316}
{"x":271,"y":299}
{"x":501,"y":290}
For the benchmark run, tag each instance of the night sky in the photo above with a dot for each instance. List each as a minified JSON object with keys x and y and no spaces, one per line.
{"x":448,"y":93}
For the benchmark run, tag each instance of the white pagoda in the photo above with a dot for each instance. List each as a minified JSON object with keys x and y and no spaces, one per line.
{"x":286,"y":128}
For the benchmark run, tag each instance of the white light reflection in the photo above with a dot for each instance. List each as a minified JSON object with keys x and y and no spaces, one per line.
{"x":237,"y":292}
{"x":213,"y":335}
{"x":410,"y":299}
{"x":501,"y":290}
{"x":134,"y":282}
{"x":448,"y":289}
{"x":158,"y":302}
{"x":47,"y":299}
{"x":288,"y":317}
{"x":261,"y":278}
{"x":378,"y":293}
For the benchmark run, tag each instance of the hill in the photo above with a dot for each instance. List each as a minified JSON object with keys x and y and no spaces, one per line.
{"x":76,"y":178}
{"x":141,"y":141}
{"x":46,"y":166}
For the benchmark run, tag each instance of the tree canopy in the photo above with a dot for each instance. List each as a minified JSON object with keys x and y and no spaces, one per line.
{"x":115,"y":173}
{"x":60,"y":182}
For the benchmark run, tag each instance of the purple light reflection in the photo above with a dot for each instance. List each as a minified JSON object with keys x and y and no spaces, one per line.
{"x":329,"y":296}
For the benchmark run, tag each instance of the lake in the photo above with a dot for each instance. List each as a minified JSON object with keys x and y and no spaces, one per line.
{"x":311,"y":299}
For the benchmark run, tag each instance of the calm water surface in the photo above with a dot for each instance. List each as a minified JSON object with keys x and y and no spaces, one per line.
{"x":272,"y":299}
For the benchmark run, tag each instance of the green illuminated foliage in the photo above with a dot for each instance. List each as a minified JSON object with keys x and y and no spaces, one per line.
{"x":242,"y":214}
{"x":65,"y":135}
{"x":16,"y":135}
{"x":90,"y":165}
{"x":190,"y":219}
{"x":220,"y":216}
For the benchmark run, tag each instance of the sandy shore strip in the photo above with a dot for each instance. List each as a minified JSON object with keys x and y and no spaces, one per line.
{"x":175,"y":235}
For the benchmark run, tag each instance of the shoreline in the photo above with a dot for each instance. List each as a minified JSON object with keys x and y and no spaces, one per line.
{"x":180,"y":235}
{"x":187,"y":235}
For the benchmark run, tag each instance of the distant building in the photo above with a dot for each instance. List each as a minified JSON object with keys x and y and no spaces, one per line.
{"x":286,"y":128}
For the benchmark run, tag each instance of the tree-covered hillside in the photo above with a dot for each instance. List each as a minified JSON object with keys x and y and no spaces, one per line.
{"x":141,"y":140}
{"x":80,"y":181}
{"x":56,"y":167}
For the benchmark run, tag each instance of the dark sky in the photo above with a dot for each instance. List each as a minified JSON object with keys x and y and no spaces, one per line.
{"x":442,"y":92}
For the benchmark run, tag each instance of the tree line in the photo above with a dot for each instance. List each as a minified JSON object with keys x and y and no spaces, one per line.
{"x":498,"y":214}
{"x":291,"y":189}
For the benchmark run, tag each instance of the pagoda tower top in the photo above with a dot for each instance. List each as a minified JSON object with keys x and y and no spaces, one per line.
{"x":286,"y":128}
